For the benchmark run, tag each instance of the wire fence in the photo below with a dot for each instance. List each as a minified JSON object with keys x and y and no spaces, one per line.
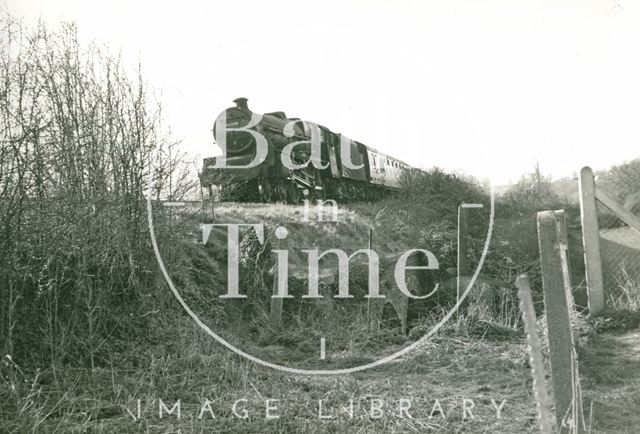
{"x":619,"y":240}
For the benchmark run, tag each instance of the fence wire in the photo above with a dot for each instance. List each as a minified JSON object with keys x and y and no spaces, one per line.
{"x":619,"y":242}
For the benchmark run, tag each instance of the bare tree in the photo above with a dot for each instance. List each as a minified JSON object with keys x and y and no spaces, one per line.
{"x":79,"y":143}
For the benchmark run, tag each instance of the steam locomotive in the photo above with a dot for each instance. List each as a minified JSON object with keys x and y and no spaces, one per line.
{"x":322,"y":164}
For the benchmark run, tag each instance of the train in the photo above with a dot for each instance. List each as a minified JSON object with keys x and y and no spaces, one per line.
{"x":368,"y":175}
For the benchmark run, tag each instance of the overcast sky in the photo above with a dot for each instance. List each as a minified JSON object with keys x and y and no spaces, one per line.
{"x":486,"y":87}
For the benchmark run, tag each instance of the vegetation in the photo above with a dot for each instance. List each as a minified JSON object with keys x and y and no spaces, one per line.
{"x":89,"y":327}
{"x":79,"y":144}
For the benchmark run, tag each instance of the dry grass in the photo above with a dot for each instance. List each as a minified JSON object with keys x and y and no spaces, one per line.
{"x":611,"y":382}
{"x":481,"y":357}
{"x":626,"y":294}
{"x":447,"y":369}
{"x":350,"y":232}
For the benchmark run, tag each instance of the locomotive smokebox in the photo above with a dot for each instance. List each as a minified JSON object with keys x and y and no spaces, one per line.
{"x":241,"y":103}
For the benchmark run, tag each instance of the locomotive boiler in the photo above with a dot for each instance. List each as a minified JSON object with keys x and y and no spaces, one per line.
{"x":272,"y":158}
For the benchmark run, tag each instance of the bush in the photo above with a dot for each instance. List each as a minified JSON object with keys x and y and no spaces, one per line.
{"x":78,"y":140}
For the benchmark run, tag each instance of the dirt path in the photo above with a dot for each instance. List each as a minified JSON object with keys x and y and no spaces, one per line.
{"x":610,"y":369}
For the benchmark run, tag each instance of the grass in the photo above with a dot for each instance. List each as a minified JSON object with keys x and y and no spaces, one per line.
{"x":626,"y":294}
{"x":447,"y":369}
{"x":623,"y":304}
{"x":480,"y":357}
{"x":614,"y":391}
{"x":350,"y":232}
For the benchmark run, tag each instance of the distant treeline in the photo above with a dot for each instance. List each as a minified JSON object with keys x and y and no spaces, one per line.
{"x":621,"y":180}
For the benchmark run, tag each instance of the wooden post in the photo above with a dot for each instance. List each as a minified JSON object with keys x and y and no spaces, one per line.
{"x":462,"y":250}
{"x":275,"y":314}
{"x":563,"y":246}
{"x":564,"y":372}
{"x":368,"y":299}
{"x":202,"y":203}
{"x":211,"y":195}
{"x":591,"y":241}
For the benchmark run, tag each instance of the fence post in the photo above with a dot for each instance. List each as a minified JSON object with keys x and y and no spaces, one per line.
{"x":462,"y":251}
{"x":536,"y":359}
{"x":563,"y":246}
{"x":213,"y":201}
{"x":561,"y":347}
{"x":369,"y":299}
{"x":275,"y":314}
{"x":591,"y":241}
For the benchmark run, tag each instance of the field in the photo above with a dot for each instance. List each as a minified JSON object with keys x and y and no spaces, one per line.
{"x":471,"y":376}
{"x":445,"y":374}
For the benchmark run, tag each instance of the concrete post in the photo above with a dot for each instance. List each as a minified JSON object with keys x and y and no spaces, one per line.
{"x":591,"y":241}
{"x":564,"y":372}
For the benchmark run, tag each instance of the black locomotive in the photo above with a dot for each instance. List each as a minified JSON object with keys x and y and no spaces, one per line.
{"x":286,"y":167}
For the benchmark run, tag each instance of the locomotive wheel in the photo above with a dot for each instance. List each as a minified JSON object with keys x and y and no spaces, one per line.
{"x":279,"y":190}
{"x":266,"y":191}
{"x":251,"y":191}
{"x":342,"y":192}
{"x":294,"y":194}
{"x":311,"y":196}
{"x":351,"y":193}
{"x":282,"y":197}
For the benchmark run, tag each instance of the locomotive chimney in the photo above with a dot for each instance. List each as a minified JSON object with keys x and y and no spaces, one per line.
{"x":241,"y":103}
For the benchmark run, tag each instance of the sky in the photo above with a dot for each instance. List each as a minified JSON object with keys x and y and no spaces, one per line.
{"x":487,"y":88}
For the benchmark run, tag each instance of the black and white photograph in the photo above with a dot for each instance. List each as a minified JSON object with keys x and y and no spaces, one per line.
{"x":358,"y":216}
